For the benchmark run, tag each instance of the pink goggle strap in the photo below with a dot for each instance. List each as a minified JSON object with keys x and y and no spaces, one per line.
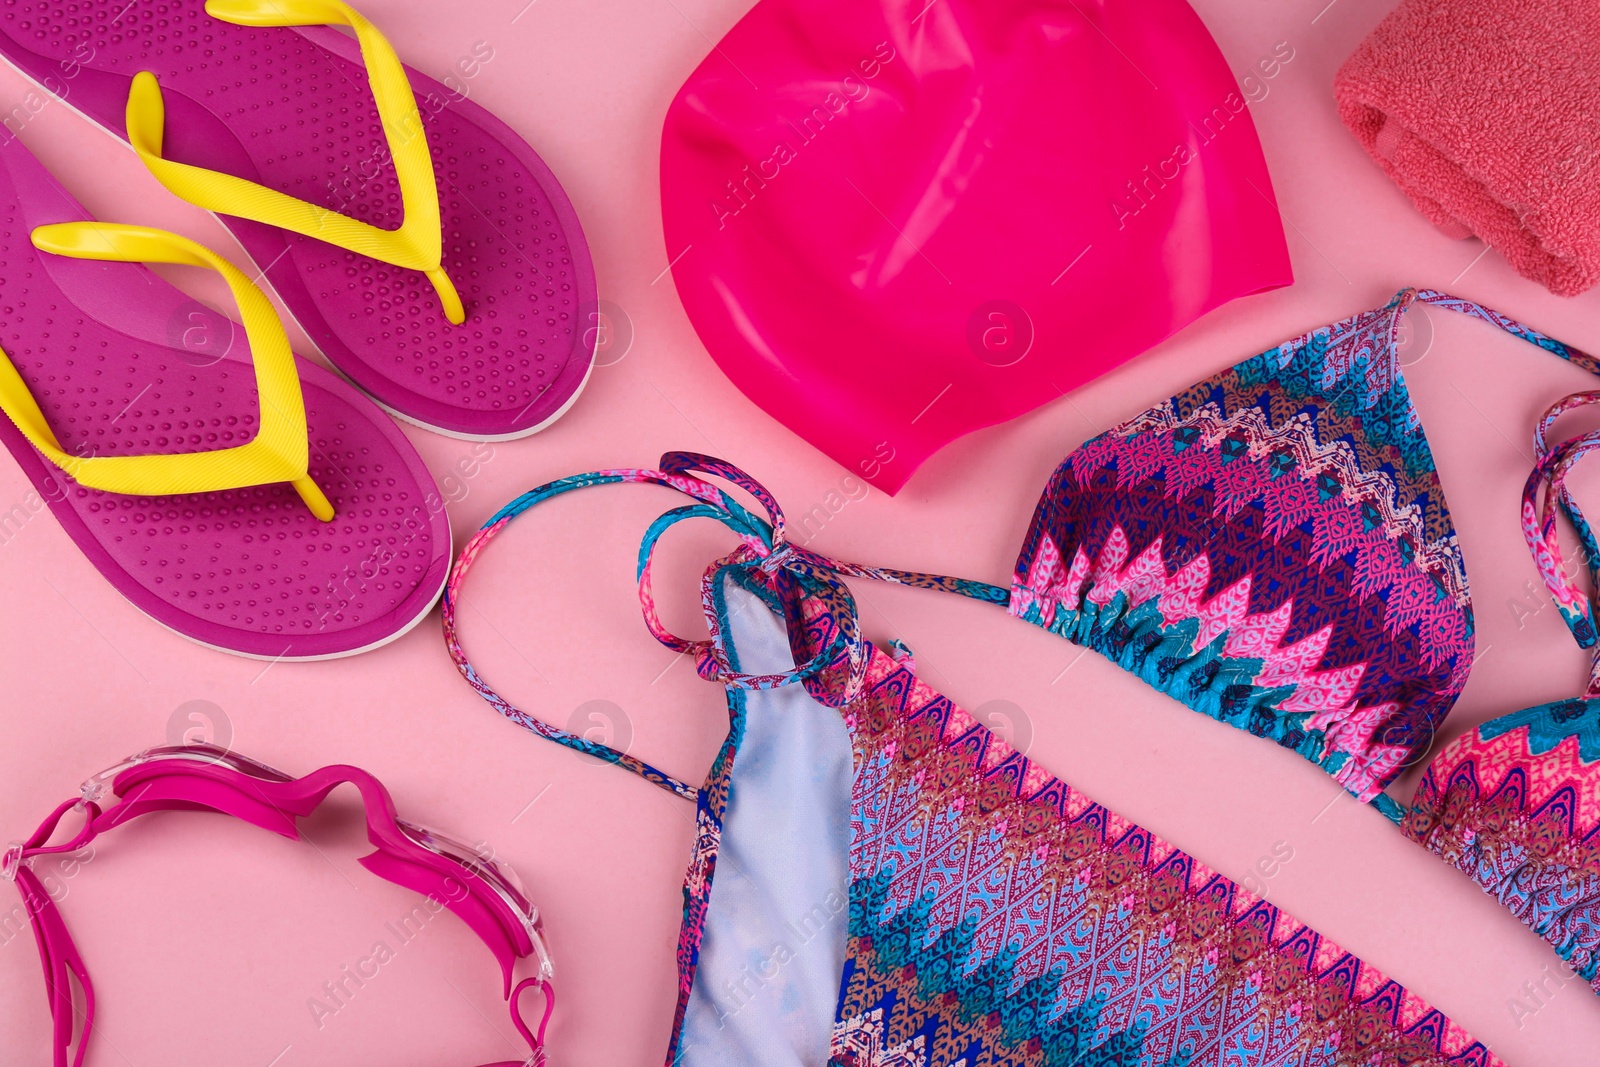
{"x":57,"y":954}
{"x":207,"y":786}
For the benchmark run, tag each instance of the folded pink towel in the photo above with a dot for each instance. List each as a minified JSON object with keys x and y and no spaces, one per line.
{"x":1487,"y":114}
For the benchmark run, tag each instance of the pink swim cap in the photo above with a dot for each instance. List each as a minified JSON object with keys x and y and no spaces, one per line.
{"x":893,"y":222}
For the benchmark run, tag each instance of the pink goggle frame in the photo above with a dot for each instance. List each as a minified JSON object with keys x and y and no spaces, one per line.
{"x":486,"y":894}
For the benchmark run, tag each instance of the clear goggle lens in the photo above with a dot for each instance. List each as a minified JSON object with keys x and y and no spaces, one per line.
{"x":498,"y":876}
{"x":97,"y":787}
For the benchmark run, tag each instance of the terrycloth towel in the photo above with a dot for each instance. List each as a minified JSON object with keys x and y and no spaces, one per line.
{"x":1487,"y":114}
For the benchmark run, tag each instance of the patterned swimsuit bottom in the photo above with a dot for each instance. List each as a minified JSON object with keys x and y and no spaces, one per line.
{"x":895,"y":885}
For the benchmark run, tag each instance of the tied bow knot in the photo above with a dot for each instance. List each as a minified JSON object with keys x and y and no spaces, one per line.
{"x":806,"y":588}
{"x":779,"y":555}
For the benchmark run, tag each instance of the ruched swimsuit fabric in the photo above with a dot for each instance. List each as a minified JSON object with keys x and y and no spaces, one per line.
{"x":1515,"y":806}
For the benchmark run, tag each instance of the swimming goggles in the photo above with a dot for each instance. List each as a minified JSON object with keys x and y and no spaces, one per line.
{"x":486,"y":894}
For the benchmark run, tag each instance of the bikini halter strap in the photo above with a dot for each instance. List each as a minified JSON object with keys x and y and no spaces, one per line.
{"x":1546,"y":492}
{"x":1505,"y":322}
{"x":793,"y":571}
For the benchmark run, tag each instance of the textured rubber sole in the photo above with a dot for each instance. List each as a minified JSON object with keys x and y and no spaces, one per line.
{"x":287,"y":657}
{"x":493,"y":438}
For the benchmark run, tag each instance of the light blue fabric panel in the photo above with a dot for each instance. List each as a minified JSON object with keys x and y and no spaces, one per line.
{"x":772,"y":956}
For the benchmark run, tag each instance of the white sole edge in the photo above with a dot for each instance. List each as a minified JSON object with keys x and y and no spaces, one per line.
{"x":433,"y":602}
{"x":456,"y":435}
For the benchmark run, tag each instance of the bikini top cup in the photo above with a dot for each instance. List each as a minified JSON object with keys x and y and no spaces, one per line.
{"x":1272,"y":547}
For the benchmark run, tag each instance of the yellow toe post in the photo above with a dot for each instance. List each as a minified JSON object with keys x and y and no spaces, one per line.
{"x":314,"y":497}
{"x":448,"y":296}
{"x":415,"y":244}
{"x":280,"y":450}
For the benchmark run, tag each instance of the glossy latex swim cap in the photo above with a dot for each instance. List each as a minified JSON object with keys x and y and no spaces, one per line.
{"x":893,"y":223}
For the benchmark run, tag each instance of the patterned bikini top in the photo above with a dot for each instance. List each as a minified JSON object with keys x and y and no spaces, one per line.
{"x":1272,"y":548}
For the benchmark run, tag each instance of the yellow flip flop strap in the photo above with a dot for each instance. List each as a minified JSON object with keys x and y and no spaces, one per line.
{"x":278,"y":453}
{"x":416,"y":244}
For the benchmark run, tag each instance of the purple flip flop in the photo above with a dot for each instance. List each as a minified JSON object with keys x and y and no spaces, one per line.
{"x":121,"y":363}
{"x":291,"y":109}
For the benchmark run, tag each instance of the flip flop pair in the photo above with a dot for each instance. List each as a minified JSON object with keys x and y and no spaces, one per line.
{"x":238,"y":494}
{"x":420,"y":243}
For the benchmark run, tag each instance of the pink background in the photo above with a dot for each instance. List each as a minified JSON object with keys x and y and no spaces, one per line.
{"x":207,"y":938}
